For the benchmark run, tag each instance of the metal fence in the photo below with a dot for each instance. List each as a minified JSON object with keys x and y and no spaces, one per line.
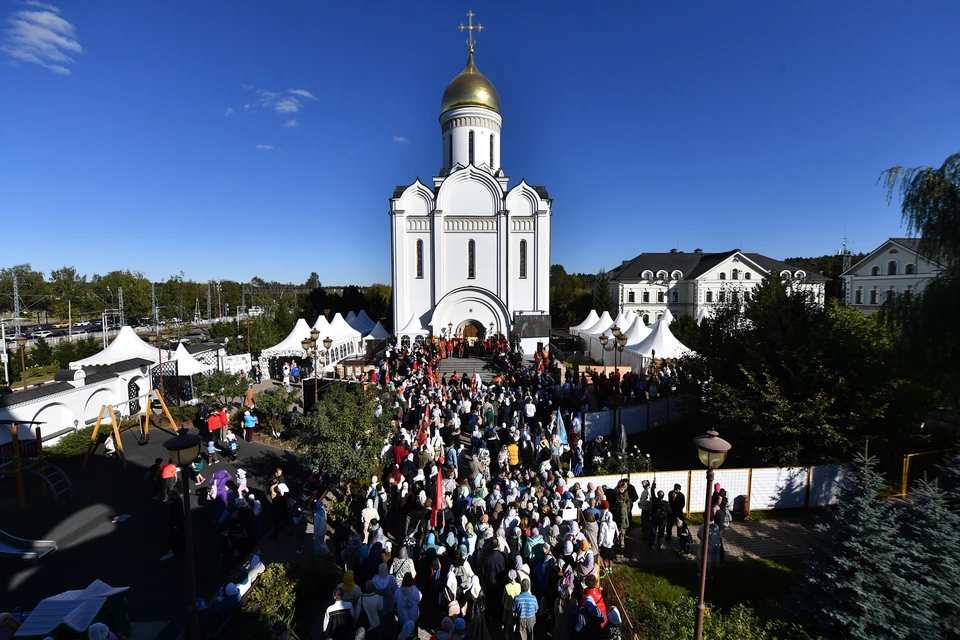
{"x":761,"y":489}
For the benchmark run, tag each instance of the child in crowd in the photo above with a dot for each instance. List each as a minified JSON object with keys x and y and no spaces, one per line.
{"x":241,"y":481}
{"x":212,"y":453}
{"x":196,"y":467}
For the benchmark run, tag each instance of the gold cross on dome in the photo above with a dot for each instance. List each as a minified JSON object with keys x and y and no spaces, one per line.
{"x":470,"y":29}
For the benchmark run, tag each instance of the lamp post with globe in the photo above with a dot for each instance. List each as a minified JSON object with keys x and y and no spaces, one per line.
{"x":713,"y":451}
{"x":183,"y":450}
{"x":618,"y":345}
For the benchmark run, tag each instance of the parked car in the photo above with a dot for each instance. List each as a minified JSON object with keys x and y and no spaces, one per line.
{"x":82,"y":323}
{"x":40,"y":334}
{"x":61,"y":325}
{"x":57,"y":333}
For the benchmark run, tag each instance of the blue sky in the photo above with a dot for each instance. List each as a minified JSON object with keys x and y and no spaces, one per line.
{"x":229,"y":139}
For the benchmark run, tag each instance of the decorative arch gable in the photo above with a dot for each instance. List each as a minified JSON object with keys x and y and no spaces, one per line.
{"x":470,"y":191}
{"x":522,"y":200}
{"x":417,"y":200}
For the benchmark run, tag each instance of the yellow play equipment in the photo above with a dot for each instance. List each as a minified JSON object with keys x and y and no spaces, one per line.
{"x":144,"y":426}
{"x":19,"y":457}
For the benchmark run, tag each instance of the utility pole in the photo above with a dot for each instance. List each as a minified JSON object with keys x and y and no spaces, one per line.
{"x":243,"y":298}
{"x":219,"y":302}
{"x":16,"y":302}
{"x":3,"y":340}
{"x":120,"y":304}
{"x":153,"y":303}
{"x":209,"y":317}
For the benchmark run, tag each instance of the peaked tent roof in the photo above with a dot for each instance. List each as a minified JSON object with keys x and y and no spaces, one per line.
{"x":342,"y":330}
{"x":125,"y":346}
{"x":624,"y":320}
{"x":701,"y":315}
{"x":378,"y":333}
{"x":323,"y":327}
{"x":588,"y":322}
{"x":603,"y":324}
{"x":661,"y":340}
{"x":76,"y":609}
{"x":365,"y":320}
{"x":668,"y":317}
{"x":187,"y":365}
{"x":637,"y":333}
{"x":351,"y":317}
{"x":413,"y":327}
{"x":291,"y":344}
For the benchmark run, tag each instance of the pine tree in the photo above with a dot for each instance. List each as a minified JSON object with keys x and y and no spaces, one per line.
{"x":931,"y":532}
{"x":949,"y":481}
{"x":602,"y":300}
{"x":850,"y":586}
{"x":41,"y":355}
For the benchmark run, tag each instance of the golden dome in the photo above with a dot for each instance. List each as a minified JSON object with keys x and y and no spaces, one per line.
{"x":470,"y":89}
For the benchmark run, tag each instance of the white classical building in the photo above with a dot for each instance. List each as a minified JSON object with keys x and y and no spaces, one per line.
{"x":469,"y":252}
{"x":894,"y":268}
{"x":692,"y":283}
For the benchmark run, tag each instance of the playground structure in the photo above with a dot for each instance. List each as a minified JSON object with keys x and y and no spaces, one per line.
{"x":14,"y":548}
{"x":144,"y":419}
{"x":25,"y":457}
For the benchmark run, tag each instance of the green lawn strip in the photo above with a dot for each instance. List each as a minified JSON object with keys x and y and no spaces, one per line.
{"x":750,"y":582}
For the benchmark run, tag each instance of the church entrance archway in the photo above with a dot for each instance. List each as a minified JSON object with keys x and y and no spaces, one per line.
{"x":472,"y":331}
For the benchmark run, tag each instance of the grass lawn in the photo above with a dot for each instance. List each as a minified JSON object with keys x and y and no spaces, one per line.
{"x":752,"y":582}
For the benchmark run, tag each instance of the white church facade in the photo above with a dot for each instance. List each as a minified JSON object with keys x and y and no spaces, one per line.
{"x":470,"y":253}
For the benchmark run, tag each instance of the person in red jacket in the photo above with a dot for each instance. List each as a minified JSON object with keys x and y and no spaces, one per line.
{"x":224,"y":422}
{"x":594,"y":591}
{"x":213,"y":424}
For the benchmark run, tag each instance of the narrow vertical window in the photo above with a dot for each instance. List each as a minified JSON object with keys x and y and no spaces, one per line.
{"x":471,"y":250}
{"x":419,"y":258}
{"x":470,"y":147}
{"x":631,"y":297}
{"x":523,"y":258}
{"x":709,"y":296}
{"x":450,"y":148}
{"x":491,"y":152}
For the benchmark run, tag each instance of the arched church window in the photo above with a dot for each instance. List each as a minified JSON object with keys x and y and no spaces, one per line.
{"x":646,"y":319}
{"x":735,"y":274}
{"x":470,"y":150}
{"x":491,"y":151}
{"x":471,"y":248}
{"x":723,"y":276}
{"x":419,"y":258}
{"x":523,"y":258}
{"x":746,"y":275}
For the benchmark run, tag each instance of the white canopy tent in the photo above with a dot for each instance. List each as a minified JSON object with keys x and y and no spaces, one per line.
{"x":661,"y":341}
{"x":637,"y":332}
{"x":588,"y":322}
{"x":602,"y":326}
{"x":290,"y":346}
{"x":702,"y":315}
{"x":341,"y":330}
{"x":378,"y":333}
{"x":412,"y":330}
{"x":125,"y":346}
{"x":187,"y":365}
{"x":667,"y":317}
{"x":366,"y":324}
{"x":624,"y":320}
{"x":323,"y":327}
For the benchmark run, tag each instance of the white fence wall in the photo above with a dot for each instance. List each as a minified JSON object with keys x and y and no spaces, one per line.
{"x":636,"y":418}
{"x":768,"y":488}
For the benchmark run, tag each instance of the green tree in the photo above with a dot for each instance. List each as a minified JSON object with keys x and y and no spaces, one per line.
{"x":31,"y":285}
{"x":931,"y":534}
{"x":41,"y":355}
{"x":685,"y":330}
{"x":341,"y":433}
{"x":851,"y":585}
{"x":379,"y":304}
{"x":570,"y":298}
{"x":69,"y":289}
{"x":930,"y":206}
{"x":797,"y":383}
{"x":603,"y":300}
{"x":272,"y":405}
{"x":220,"y":384}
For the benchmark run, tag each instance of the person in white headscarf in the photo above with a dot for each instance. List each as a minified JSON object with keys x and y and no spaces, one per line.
{"x":368,"y":514}
{"x":320,"y":530}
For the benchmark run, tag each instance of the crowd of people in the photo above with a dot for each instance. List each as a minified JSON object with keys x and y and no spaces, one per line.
{"x":479,"y":519}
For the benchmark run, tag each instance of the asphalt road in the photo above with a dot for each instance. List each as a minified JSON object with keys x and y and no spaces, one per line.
{"x":124,"y":554}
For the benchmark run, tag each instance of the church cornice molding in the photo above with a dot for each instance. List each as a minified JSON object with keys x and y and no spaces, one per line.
{"x":463,"y":224}
{"x":470,"y":121}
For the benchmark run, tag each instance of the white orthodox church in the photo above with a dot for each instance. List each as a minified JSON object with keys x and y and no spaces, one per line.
{"x":470,"y":254}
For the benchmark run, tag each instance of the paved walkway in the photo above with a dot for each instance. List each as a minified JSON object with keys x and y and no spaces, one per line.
{"x":744,"y":540}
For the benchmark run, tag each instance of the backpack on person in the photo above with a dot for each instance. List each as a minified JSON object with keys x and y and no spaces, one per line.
{"x":724,"y":518}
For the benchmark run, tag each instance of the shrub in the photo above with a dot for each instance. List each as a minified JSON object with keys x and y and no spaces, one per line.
{"x":274,"y":597}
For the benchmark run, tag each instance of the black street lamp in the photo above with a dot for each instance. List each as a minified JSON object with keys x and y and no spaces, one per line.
{"x":183,"y":450}
{"x":618,"y":345}
{"x":713,"y":451}
{"x":310,"y":346}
